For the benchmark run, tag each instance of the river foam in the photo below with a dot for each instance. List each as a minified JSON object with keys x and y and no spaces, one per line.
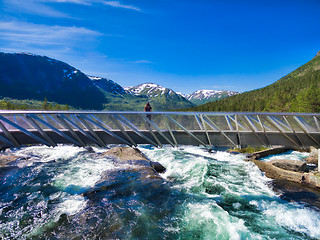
{"x":234,"y":199}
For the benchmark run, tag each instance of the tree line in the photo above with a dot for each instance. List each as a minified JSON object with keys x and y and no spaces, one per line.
{"x":15,"y":104}
{"x":299,"y":91}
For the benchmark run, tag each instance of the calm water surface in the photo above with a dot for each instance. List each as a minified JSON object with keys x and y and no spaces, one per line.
{"x":58,"y":193}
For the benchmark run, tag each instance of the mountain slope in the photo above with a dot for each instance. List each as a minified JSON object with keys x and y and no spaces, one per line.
{"x":116,"y":97}
{"x":28,"y":80}
{"x":26,"y":76}
{"x":204,"y":96}
{"x":107,"y":85}
{"x":299,"y":91}
{"x":161,"y":98}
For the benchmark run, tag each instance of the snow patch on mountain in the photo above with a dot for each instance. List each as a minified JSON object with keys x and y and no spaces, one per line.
{"x":181,"y":94}
{"x":149,"y":89}
{"x":107,"y":85}
{"x":94,"y":78}
{"x":210,"y":94}
{"x":160,"y":97}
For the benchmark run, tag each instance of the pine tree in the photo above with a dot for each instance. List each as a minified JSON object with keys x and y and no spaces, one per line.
{"x":45,"y":104}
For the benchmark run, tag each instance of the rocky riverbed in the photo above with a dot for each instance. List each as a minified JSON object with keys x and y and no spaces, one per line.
{"x":303,"y":171}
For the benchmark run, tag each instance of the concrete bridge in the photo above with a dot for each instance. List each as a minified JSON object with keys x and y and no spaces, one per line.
{"x":209,"y":129}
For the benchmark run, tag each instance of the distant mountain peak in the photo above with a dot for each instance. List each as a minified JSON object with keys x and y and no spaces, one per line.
{"x":318,"y":54}
{"x":204,"y":96}
{"x":30,"y":54}
{"x":159,"y":96}
{"x":150,"y":90}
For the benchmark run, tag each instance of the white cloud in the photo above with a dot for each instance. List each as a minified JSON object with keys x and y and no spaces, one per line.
{"x":40,"y":8}
{"x":117,"y":4}
{"x":44,"y":39}
{"x":81,"y":2}
{"x":33,"y":6}
{"x":24,"y":32}
{"x":142,"y":61}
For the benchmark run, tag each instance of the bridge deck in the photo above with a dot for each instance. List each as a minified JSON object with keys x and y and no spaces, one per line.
{"x":21,"y":128}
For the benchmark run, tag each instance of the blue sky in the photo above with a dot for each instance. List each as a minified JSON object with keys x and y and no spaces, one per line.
{"x":185,"y":45}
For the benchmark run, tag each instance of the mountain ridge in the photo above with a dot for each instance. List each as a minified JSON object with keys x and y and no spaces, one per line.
{"x":28,"y":78}
{"x":204,"y":96}
{"x":160,"y":96}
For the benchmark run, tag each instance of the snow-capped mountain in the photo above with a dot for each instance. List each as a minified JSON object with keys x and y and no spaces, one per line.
{"x":160,"y":96}
{"x":150,"y":90}
{"x":107,"y":85}
{"x":204,"y":96}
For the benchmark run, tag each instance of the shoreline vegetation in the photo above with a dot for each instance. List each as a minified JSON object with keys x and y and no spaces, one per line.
{"x":29,"y":104}
{"x":248,"y":149}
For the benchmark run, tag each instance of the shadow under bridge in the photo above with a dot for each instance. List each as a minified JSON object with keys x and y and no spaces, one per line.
{"x":209,"y":129}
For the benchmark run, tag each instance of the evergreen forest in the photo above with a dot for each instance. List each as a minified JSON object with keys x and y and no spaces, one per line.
{"x":299,"y":91}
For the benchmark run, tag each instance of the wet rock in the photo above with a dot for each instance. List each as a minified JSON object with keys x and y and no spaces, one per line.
{"x":89,"y":149}
{"x":233,"y":151}
{"x":125,"y":153}
{"x":158,"y":167}
{"x":291,"y":165}
{"x":313,"y":179}
{"x":274,"y":172}
{"x":134,"y":157}
{"x":296,"y":192}
{"x":313,"y":156}
{"x":267,"y":152}
{"x":5,"y":160}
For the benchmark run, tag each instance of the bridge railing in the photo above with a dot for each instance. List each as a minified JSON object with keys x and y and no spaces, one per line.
{"x":156,"y":128}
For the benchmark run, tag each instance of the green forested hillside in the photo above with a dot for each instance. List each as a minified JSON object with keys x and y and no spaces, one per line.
{"x":31,"y":104}
{"x":299,"y":91}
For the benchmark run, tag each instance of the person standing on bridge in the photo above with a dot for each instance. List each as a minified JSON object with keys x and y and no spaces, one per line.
{"x":148,"y":108}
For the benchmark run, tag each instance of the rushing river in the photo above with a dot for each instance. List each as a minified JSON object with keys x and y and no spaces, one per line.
{"x":53,"y":195}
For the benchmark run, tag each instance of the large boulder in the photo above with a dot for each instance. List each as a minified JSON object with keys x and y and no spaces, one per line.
{"x":134,"y":157}
{"x":291,"y":165}
{"x":274,"y":172}
{"x":313,"y":179}
{"x":313,"y":156}
{"x":267,"y":152}
{"x":5,"y":159}
{"x":125,"y":153}
{"x":114,"y":205}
